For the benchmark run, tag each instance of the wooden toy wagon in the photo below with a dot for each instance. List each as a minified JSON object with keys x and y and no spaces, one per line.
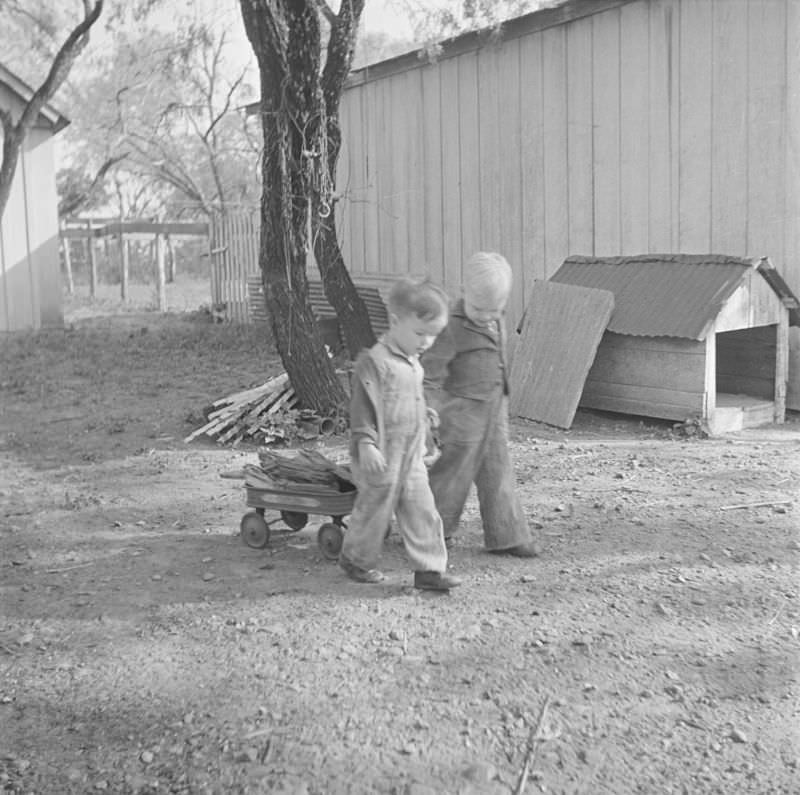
{"x":297,"y":486}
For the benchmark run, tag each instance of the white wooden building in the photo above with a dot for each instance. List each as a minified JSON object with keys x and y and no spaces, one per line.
{"x":30,"y":275}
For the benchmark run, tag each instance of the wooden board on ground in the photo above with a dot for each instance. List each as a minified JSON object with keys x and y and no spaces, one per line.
{"x":560,"y":333}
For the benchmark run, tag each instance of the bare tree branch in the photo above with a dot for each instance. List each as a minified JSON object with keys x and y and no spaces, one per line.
{"x":62,"y":63}
{"x":326,"y":11}
{"x":78,"y":201}
{"x":14,"y":134}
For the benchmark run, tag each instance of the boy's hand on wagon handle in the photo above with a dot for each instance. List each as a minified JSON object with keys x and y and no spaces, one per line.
{"x":370,"y":458}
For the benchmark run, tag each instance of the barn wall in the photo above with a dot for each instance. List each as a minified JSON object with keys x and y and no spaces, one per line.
{"x":644,"y":126}
{"x":629,"y":373}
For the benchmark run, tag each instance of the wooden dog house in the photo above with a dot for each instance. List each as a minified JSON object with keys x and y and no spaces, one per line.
{"x":690,"y":337}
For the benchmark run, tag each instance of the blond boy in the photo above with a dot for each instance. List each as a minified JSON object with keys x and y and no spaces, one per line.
{"x":466,"y":380}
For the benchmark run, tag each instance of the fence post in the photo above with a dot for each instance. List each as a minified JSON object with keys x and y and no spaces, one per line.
{"x":124,"y":247}
{"x":160,"y":273}
{"x":92,"y":259}
{"x":170,"y":259}
{"x":67,"y":262}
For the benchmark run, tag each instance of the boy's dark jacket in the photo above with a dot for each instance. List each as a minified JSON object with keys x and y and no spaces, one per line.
{"x":466,"y":360}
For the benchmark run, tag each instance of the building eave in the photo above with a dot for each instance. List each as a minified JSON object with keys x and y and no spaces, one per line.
{"x":51,"y":116}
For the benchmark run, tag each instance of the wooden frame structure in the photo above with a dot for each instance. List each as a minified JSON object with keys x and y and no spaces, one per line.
{"x":160,"y":233}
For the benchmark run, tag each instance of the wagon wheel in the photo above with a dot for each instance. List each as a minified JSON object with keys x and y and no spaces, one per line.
{"x":254,"y":530}
{"x":294,"y":519}
{"x":330,"y":538}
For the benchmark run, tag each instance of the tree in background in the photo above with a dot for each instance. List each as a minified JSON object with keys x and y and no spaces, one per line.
{"x":158,"y":122}
{"x":434,"y":22}
{"x":376,"y":46}
{"x":300,"y":119}
{"x":15,"y":130}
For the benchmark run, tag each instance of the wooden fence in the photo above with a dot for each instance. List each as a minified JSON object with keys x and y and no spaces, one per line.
{"x":235,"y":282}
{"x":234,"y":257}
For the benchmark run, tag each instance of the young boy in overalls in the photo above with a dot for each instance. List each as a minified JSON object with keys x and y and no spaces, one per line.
{"x":466,"y":381}
{"x":388,"y":427}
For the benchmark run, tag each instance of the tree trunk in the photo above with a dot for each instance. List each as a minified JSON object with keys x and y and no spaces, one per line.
{"x":285,"y":39}
{"x":339,"y":288}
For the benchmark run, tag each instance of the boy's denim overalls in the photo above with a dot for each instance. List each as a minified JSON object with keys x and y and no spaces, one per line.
{"x":388,"y":407}
{"x":465,"y":366}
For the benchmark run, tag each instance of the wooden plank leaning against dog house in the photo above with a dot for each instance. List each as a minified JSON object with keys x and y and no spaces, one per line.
{"x":561,"y":330}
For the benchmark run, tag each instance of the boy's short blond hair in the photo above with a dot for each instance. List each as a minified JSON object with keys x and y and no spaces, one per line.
{"x":487,"y":274}
{"x":417,"y":296}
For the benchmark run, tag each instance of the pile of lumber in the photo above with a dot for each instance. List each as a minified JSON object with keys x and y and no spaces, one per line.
{"x":252,"y":414}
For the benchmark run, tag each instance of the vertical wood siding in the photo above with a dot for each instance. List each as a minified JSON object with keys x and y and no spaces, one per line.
{"x":234,"y":242}
{"x":41,"y":218}
{"x":650,"y":126}
{"x":17,"y":307}
{"x":30,"y":277}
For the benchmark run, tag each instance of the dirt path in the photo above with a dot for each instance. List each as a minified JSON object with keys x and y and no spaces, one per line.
{"x":145,"y":649}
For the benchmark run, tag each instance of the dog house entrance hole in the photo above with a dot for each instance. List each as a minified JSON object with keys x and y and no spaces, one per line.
{"x":745,"y":376}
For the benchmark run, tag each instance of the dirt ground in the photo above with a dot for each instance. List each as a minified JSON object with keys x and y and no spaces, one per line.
{"x":144,"y":648}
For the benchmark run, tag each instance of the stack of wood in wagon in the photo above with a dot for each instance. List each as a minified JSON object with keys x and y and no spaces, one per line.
{"x":306,"y":468}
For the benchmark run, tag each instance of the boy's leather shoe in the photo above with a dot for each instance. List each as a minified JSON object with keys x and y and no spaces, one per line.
{"x":435,"y":581}
{"x":529,"y":550}
{"x":357,"y":573}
